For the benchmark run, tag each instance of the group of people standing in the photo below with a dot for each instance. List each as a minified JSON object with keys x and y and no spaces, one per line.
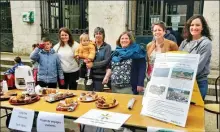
{"x":197,"y":41}
{"x":69,"y":63}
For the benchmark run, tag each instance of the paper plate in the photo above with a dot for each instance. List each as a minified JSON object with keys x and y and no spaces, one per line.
{"x":87,"y":100}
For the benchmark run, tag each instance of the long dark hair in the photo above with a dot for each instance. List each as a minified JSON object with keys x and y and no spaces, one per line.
{"x":205,"y":31}
{"x":70,"y":41}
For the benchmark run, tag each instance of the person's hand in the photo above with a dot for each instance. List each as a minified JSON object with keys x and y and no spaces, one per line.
{"x":89,"y":65}
{"x":87,"y":60}
{"x":105,"y":80}
{"x":140,"y":88}
{"x":41,"y":46}
{"x":9,"y":76}
{"x":77,"y":57}
{"x":61,"y":81}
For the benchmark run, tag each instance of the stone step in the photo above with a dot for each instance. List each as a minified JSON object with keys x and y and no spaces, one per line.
{"x":211,"y":90}
{"x":211,"y":99}
{"x":11,"y":62}
{"x":5,"y":67}
{"x":2,"y":76}
{"x":214,"y":72}
{"x":211,"y":79}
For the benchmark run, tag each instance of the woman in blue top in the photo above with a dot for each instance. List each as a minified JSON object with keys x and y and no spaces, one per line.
{"x":127,"y":66}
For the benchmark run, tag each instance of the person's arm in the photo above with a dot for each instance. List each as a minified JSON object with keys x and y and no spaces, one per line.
{"x":173,"y":38}
{"x":91,"y":52}
{"x":59,"y":69}
{"x":77,"y":52}
{"x":74,"y":47}
{"x":141,"y":72}
{"x":174,"y":47}
{"x":205,"y":53}
{"x":12,"y":70}
{"x":106,"y":60}
{"x":55,"y":47}
{"x":107,"y":76}
{"x":182,"y":45}
{"x":35,"y":54}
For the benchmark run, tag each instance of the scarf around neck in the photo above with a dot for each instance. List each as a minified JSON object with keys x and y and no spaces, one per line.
{"x":133,"y":51}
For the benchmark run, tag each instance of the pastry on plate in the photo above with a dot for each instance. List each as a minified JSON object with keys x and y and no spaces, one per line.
{"x":67,"y":105}
{"x":106,"y":102}
{"x":89,"y":96}
{"x":23,"y":98}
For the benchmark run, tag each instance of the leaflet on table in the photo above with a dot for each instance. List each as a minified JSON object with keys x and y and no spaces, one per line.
{"x":21,"y":119}
{"x":168,"y":94}
{"x":104,"y":119}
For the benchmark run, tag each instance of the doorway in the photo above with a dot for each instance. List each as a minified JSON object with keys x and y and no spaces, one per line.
{"x":176,"y":12}
{"x":173,"y":12}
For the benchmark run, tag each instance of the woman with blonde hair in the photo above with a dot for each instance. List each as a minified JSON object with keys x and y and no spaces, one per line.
{"x":158,"y":45}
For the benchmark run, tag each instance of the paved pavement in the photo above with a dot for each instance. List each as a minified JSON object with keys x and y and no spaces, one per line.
{"x":210,"y":124}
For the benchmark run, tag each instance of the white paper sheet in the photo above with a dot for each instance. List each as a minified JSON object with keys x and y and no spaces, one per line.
{"x":21,"y":119}
{"x":50,"y":122}
{"x":103,"y":119}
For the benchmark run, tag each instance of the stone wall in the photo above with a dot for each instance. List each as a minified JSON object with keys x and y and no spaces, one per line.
{"x":111,"y":15}
{"x":211,"y":13}
{"x":25,"y":34}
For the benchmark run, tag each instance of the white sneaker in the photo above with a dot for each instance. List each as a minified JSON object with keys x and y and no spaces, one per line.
{"x":89,"y":82}
{"x":81,"y":81}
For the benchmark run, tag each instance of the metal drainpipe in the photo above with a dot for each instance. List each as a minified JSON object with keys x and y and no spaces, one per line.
{"x":127,"y":16}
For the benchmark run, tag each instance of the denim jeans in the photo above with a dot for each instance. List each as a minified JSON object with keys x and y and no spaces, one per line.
{"x":203,"y":87}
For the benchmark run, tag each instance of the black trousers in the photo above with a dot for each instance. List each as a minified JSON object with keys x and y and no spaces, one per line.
{"x":83,"y":71}
{"x":70,"y":80}
{"x":97,"y":86}
{"x":49,"y":85}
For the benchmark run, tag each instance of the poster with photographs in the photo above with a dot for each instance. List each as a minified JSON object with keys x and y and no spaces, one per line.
{"x":168,"y":93}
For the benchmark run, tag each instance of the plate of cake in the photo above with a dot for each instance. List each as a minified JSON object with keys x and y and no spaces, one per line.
{"x":54,"y":97}
{"x":106,"y":102}
{"x":23,"y":99}
{"x":67,"y":105}
{"x":6,"y":95}
{"x":88,"y":96}
{"x":46,"y":91}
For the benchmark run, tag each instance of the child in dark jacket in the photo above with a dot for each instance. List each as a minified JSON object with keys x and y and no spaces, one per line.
{"x":49,"y":69}
{"x":9,"y":74}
